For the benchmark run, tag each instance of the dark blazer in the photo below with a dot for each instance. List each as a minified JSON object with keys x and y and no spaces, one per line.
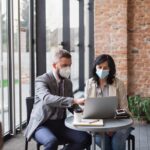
{"x":47,"y":102}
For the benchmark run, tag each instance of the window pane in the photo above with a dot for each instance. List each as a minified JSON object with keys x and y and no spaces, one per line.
{"x":74,"y":41}
{"x":25,"y":54}
{"x":53,"y":27}
{"x":4,"y":111}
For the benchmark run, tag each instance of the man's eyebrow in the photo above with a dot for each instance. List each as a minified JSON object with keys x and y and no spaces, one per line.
{"x":66,"y":64}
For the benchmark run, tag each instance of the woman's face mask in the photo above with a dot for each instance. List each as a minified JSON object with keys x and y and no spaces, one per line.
{"x":102,"y":73}
{"x":65,"y":72}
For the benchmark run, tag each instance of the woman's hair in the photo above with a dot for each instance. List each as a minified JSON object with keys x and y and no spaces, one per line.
{"x":111,"y":64}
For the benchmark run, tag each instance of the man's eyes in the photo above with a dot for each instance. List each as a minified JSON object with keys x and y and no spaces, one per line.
{"x":65,"y":65}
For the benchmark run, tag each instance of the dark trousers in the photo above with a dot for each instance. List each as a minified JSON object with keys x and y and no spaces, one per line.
{"x":52,"y":133}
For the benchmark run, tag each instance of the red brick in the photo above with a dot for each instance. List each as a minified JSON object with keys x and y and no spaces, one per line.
{"x":122,"y":29}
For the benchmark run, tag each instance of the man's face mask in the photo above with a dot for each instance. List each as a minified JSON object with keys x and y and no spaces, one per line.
{"x":102,"y":73}
{"x":65,"y":72}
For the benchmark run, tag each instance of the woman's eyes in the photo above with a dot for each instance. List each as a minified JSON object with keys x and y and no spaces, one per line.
{"x":102,"y":68}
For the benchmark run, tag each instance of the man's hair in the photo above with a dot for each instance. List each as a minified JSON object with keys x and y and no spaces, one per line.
{"x":60,"y":53}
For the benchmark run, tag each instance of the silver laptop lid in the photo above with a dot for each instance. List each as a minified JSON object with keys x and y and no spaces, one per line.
{"x":100,"y":108}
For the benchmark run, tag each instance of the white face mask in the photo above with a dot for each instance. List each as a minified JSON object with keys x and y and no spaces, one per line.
{"x":65,"y":72}
{"x":102,"y":73}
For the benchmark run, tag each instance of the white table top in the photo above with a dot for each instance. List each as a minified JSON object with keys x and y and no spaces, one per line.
{"x":109,"y":125}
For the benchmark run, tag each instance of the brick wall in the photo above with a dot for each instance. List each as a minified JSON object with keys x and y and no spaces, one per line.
{"x":111,"y":32}
{"x":139,"y":47}
{"x":122,"y":29}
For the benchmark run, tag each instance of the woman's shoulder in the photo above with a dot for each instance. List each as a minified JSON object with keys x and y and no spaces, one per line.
{"x":118,"y":82}
{"x":90,"y":81}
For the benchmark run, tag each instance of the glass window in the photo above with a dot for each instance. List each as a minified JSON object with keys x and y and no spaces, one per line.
{"x":53,"y":28}
{"x":74,"y":41}
{"x":24,"y":54}
{"x":4,"y":82}
{"x":19,"y":64}
{"x":21,"y":58}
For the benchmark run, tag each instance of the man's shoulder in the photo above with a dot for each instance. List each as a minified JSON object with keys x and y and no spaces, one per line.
{"x":45,"y":76}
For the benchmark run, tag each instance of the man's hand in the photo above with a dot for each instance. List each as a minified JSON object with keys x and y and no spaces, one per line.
{"x":79,"y":101}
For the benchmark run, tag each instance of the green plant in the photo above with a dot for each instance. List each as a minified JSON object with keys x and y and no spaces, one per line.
{"x":139,"y":107}
{"x":134,"y":105}
{"x":4,"y":83}
{"x":145,"y":104}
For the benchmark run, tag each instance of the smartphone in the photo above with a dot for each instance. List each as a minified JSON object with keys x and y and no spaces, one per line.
{"x":120,"y":111}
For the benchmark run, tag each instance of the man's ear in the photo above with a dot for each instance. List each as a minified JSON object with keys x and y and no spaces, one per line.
{"x":54,"y":65}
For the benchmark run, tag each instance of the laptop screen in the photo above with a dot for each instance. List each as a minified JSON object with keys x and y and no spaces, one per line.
{"x":100,"y":108}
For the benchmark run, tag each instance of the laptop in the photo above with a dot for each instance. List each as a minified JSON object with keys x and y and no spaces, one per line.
{"x":100,"y":108}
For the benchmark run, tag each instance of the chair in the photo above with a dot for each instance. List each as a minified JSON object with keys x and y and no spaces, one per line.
{"x":29,"y":106}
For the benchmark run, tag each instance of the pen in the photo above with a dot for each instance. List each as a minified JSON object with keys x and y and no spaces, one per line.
{"x":94,"y":121}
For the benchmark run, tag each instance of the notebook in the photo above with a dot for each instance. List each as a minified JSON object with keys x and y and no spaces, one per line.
{"x":100,"y":108}
{"x":89,"y":122}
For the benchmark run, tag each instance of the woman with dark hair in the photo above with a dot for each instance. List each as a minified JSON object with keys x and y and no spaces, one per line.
{"x":105,"y":83}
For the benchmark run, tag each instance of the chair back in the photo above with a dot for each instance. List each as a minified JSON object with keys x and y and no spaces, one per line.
{"x":29,"y":106}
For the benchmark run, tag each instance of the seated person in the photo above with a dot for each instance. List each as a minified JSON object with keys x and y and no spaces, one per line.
{"x":105,"y":83}
{"x":53,"y":94}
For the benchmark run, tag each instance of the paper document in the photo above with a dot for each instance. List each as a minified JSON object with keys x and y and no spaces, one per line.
{"x":89,"y":122}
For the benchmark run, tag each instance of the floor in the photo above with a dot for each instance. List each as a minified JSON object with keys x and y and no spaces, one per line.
{"x":141,"y":132}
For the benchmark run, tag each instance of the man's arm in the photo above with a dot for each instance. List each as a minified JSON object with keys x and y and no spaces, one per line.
{"x":42,"y":92}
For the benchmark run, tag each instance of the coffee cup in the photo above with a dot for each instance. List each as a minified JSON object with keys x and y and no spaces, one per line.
{"x":78,"y":115}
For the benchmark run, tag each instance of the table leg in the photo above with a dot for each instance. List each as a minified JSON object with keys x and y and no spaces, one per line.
{"x":103,"y":141}
{"x":93,"y":141}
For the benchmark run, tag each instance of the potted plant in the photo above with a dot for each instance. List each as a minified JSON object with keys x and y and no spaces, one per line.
{"x":139,"y":107}
{"x":134,"y":105}
{"x":145,"y":104}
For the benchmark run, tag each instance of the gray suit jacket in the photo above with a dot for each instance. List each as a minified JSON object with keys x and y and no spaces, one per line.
{"x":47,"y":102}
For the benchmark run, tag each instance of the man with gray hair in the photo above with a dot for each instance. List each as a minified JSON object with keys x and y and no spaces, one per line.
{"x":53,"y":94}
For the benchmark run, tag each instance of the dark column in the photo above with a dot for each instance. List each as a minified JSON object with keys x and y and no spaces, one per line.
{"x":40,"y":37}
{"x":66,"y":25}
{"x":91,"y":35}
{"x":81,"y":45}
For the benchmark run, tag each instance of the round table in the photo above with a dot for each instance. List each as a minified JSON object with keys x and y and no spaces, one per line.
{"x":109,"y":125}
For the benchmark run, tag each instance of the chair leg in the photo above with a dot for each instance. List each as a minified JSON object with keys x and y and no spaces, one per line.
{"x":128,"y":144}
{"x":38,"y":146}
{"x":133,"y":143}
{"x":88,"y":148}
{"x":26,"y":144}
{"x":131,"y":138}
